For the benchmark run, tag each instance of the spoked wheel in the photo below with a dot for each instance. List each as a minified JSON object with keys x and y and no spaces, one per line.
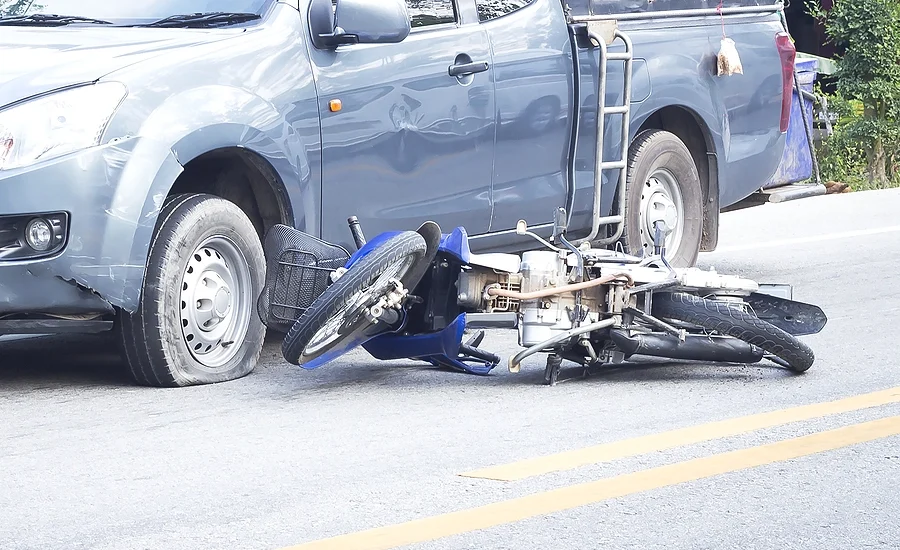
{"x":735,"y":322}
{"x":337,"y":321}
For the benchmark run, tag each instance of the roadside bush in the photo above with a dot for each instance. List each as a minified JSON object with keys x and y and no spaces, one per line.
{"x":843,"y":156}
{"x":865,"y":147}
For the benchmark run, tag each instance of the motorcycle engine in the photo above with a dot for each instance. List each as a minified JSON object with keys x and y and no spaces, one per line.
{"x":545,"y":317}
{"x":539,"y":318}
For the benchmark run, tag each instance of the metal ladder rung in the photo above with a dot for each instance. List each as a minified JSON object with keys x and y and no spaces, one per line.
{"x":617,"y":110}
{"x":598,"y":41}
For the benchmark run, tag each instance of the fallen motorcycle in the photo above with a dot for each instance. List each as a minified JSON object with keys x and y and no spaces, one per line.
{"x":414,"y":294}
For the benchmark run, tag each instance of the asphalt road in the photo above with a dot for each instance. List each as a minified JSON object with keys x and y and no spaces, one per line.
{"x":285,"y":457}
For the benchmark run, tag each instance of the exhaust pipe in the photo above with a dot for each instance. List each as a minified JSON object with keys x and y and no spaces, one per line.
{"x":716,"y":349}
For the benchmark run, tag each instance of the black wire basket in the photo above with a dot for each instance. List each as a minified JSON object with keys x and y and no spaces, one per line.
{"x":298,"y":270}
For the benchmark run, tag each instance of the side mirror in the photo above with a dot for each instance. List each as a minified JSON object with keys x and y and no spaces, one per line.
{"x":358,"y":22}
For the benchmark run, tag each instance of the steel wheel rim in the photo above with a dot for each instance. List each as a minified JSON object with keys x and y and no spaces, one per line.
{"x":661,"y":199}
{"x":330,"y":330}
{"x":216,"y":302}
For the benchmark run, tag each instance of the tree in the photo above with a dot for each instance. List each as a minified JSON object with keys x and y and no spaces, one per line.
{"x":867,"y":32}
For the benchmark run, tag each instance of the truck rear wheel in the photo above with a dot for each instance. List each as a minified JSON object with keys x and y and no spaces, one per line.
{"x":663,"y":184}
{"x":196,"y":322}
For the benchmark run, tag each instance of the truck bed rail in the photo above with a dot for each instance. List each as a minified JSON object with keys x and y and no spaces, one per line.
{"x":670,"y":14}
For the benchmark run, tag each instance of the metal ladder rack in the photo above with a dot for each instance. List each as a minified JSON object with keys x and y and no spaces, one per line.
{"x":602,"y":33}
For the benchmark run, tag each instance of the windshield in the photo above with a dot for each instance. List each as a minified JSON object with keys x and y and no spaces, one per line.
{"x":134,"y":12}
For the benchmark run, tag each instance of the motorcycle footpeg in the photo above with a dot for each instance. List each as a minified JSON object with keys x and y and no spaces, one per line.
{"x":476,"y":353}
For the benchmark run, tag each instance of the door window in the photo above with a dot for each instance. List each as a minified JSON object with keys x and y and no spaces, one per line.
{"x":423,"y":13}
{"x":492,"y":9}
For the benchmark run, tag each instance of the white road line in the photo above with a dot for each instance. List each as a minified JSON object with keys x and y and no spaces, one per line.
{"x":806,"y":240}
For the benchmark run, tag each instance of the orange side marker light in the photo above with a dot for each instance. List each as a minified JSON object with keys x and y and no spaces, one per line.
{"x":335,"y":105}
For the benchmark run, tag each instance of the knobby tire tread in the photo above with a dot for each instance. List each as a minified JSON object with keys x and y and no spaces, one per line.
{"x":356,"y":278}
{"x":737,"y":323}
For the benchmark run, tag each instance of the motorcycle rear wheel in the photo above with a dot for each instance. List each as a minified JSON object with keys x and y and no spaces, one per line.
{"x":337,"y":315}
{"x":732,"y":321}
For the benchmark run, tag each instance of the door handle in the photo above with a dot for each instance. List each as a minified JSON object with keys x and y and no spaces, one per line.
{"x":468,"y":68}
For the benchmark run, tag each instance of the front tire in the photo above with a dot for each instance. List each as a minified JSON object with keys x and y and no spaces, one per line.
{"x":196,"y":322}
{"x":663,"y":184}
{"x":336,"y":316}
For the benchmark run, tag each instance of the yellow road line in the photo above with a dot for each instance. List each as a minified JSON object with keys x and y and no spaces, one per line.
{"x":573,"y":496}
{"x":681,"y":437}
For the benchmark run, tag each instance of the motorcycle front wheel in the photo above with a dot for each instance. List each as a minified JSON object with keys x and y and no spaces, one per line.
{"x":335,"y":322}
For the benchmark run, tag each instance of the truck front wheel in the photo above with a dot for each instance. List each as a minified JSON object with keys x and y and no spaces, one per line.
{"x":663,"y":185}
{"x":196,"y":323}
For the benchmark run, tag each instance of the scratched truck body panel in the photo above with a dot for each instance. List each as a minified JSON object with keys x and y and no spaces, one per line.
{"x":465,"y":115}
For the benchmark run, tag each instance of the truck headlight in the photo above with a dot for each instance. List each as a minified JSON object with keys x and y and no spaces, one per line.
{"x":57,"y":124}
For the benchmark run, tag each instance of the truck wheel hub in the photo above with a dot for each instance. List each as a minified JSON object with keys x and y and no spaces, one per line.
{"x":661,"y":208}
{"x":215,"y":310}
{"x":661,"y":201}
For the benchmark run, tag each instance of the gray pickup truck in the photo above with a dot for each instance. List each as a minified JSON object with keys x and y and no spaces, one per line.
{"x":147,"y":147}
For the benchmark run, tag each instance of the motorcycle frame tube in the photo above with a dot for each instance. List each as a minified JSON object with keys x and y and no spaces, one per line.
{"x":515,"y":361}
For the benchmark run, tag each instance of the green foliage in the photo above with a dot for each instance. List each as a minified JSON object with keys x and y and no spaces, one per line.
{"x":868,"y":33}
{"x":840,"y":156}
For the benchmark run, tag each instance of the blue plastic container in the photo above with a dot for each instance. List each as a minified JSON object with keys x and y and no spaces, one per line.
{"x":796,"y":163}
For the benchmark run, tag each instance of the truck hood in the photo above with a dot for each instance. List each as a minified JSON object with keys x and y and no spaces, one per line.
{"x":38,"y":60}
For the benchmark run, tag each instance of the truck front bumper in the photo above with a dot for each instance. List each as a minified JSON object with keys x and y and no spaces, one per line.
{"x":102,"y":204}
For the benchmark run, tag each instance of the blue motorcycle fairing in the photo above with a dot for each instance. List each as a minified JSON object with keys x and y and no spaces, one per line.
{"x":457,"y":244}
{"x":438,"y":348}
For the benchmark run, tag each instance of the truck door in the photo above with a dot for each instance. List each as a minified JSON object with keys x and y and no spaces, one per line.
{"x":409,"y":142}
{"x":533,"y":84}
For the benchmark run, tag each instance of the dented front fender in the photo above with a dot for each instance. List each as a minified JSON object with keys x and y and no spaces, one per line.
{"x":113,"y":195}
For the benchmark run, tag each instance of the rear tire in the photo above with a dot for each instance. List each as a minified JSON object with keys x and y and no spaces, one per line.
{"x":737,"y":323}
{"x":663,"y":183}
{"x":196,"y":322}
{"x":397,"y":257}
